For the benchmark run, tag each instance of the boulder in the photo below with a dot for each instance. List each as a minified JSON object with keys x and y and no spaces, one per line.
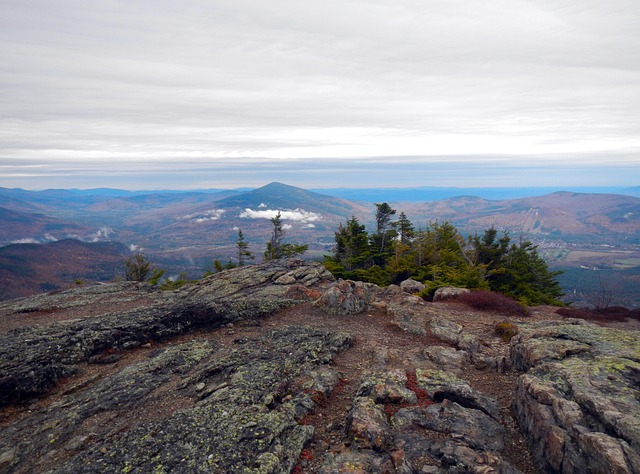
{"x":448,"y":292}
{"x":442,"y":385}
{"x":367,"y":424}
{"x":387,"y":387}
{"x":412,"y":286}
{"x":452,"y":333}
{"x":474,"y":428}
{"x":447,"y":358}
{"x":579,"y":403}
{"x":347,"y":297}
{"x":409,"y":315}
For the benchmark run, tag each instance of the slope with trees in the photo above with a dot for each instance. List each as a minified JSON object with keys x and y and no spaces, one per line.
{"x":440,"y":256}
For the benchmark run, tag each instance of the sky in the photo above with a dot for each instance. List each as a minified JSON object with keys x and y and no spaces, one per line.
{"x":159,"y":94}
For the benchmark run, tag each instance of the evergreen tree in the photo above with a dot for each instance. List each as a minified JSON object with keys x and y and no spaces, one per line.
{"x":276,"y":248}
{"x":404,"y":228}
{"x":243,"y":249}
{"x":384,"y":233}
{"x":352,"y":247}
{"x":137,"y":268}
{"x":517,"y":270}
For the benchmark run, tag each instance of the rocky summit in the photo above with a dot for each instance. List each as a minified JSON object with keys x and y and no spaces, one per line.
{"x":278,"y":368}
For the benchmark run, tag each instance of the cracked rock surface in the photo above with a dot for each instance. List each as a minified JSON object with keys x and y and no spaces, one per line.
{"x":278,"y":368}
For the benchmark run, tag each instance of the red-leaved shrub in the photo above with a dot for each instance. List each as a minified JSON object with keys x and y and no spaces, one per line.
{"x":610,"y":313}
{"x":492,"y":301}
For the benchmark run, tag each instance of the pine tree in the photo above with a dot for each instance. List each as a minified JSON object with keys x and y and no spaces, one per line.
{"x":384,"y":233}
{"x":137,"y":268}
{"x":404,"y":228}
{"x":243,"y":249}
{"x":276,"y":248}
{"x":352,"y":249}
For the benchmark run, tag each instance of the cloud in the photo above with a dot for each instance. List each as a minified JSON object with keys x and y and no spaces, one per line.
{"x":103,"y":233}
{"x":96,"y":94}
{"x":299,"y":215}
{"x":204,"y":216}
{"x":135,"y":248}
{"x":287,"y":226}
{"x":28,"y":240}
{"x":50,"y":237}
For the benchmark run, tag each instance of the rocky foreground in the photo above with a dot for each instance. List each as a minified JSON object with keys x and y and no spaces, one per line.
{"x":277,"y":368}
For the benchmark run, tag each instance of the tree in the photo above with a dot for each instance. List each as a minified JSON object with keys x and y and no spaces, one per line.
{"x":404,"y":228}
{"x":352,"y":245}
{"x":276,"y":248}
{"x":516,"y":270}
{"x":137,"y":268}
{"x":384,"y":233}
{"x":243,"y":249}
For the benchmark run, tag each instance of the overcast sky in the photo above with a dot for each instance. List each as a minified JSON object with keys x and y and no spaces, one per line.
{"x":144,"y":94}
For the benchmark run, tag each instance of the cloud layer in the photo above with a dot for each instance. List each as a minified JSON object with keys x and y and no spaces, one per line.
{"x":108,"y":93}
{"x":298,"y":215}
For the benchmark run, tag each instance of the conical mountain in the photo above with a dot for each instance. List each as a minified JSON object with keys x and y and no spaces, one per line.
{"x":279,"y":196}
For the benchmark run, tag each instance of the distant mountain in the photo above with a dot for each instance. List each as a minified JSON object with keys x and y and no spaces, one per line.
{"x":561,"y":215}
{"x":434,"y":193}
{"x":308,"y":217}
{"x":26,"y":269}
{"x":22,"y":227}
{"x":282,"y":196}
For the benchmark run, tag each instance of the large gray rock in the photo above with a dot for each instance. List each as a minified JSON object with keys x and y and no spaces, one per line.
{"x":579,"y":402}
{"x":452,"y":332}
{"x":367,"y":424}
{"x":412,"y":286}
{"x":448,"y":292}
{"x":387,"y":387}
{"x":347,"y":297}
{"x":473,"y":427}
{"x":34,"y":359}
{"x":233,"y":416}
{"x":442,"y":385}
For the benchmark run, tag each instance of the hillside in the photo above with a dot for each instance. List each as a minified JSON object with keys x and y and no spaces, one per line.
{"x":25,"y":227}
{"x":574,"y":216}
{"x":187,"y":231}
{"x":279,"y":368}
{"x":26,"y":269}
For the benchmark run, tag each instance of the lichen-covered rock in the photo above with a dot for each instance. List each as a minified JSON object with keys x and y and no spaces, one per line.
{"x":448,"y":292}
{"x":453,"y":333}
{"x":579,"y":402}
{"x":447,"y":358}
{"x":442,"y":385}
{"x":347,"y":297}
{"x":387,"y":387}
{"x":473,"y":427}
{"x":236,"y":412}
{"x":367,"y":424}
{"x":409,"y":315}
{"x":357,"y":462}
{"x":412,"y":286}
{"x":33,"y":359}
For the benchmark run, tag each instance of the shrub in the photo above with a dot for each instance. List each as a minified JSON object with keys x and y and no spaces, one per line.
{"x":492,"y":301}
{"x":506,"y":330}
{"x":610,"y":313}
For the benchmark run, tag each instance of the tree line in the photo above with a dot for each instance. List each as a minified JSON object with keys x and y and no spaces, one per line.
{"x":439,"y":255}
